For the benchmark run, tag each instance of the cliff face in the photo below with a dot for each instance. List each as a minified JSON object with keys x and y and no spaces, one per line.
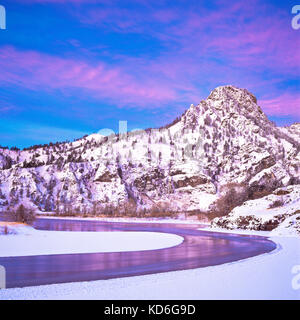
{"x":225,"y":138}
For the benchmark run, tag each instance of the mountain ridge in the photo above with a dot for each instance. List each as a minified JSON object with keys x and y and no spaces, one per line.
{"x":182,"y":166}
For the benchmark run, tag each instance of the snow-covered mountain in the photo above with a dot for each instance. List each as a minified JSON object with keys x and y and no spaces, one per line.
{"x":182,"y":167}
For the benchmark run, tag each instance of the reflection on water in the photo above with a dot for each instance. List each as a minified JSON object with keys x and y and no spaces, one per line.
{"x":199,"y":249}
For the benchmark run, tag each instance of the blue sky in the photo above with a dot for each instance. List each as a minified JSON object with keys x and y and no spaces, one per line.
{"x":69,"y":68}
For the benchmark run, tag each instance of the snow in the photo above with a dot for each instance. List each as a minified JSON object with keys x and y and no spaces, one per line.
{"x":268,"y":276}
{"x":260,"y":211}
{"x":27,"y":241}
{"x":289,"y":227}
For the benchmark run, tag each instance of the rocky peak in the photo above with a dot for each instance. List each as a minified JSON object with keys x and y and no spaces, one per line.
{"x":235,"y":100}
{"x":230,"y":92}
{"x":227,"y":107}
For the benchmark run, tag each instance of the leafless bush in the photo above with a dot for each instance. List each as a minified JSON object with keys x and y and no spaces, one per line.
{"x":276,"y":204}
{"x":159,"y":210}
{"x":282,"y":192}
{"x":108,"y":210}
{"x":128,"y":208}
{"x":233,"y":195}
{"x":257,"y":194}
{"x":23,"y":215}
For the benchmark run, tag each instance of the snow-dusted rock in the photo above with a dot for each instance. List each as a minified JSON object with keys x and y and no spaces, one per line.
{"x":279,"y":211}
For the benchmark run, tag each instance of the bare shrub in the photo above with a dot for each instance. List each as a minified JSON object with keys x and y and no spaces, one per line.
{"x":257,"y":194}
{"x":23,"y":215}
{"x":269,"y":225}
{"x":108,"y":210}
{"x":276,"y":204}
{"x":128,"y":208}
{"x":160,"y":210}
{"x":233,"y":195}
{"x":202,"y":216}
{"x":281,"y":192}
{"x":125,"y":209}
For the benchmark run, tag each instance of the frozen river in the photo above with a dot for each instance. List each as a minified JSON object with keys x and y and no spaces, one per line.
{"x":199,"y":249}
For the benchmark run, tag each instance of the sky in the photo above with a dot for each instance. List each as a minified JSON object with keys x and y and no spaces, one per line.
{"x":73,"y":67}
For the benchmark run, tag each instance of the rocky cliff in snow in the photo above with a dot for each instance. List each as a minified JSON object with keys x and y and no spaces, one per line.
{"x":182,"y":167}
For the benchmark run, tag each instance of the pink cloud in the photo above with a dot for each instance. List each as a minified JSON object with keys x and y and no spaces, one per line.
{"x":38,"y":71}
{"x":265,"y":41}
{"x":156,"y":83}
{"x":236,"y":33}
{"x":201,"y":49}
{"x":286,"y":104}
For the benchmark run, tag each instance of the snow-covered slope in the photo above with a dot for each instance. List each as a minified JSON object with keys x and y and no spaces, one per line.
{"x":181,"y":167}
{"x":279,"y":211}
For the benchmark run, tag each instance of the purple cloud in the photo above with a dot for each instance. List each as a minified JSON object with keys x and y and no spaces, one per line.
{"x":202,"y":48}
{"x":38,"y":71}
{"x":284,"y":105}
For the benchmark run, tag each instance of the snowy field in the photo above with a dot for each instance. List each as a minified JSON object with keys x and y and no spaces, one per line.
{"x":268,"y":276}
{"x":26,"y":241}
